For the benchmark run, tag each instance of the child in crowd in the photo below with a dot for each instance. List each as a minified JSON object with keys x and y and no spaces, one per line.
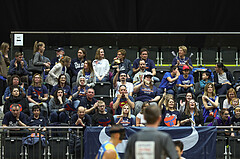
{"x":185,"y":82}
{"x":234,"y":103}
{"x":206,"y":76}
{"x":179,"y":148}
{"x":235,"y":121}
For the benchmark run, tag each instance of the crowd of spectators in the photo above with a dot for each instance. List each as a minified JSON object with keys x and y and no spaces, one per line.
{"x":61,"y":90}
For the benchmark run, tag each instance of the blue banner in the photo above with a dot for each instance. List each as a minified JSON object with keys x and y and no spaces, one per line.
{"x":199,"y":142}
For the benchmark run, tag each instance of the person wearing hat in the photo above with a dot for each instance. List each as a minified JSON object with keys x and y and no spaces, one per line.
{"x":146,"y":91}
{"x":59,"y":53}
{"x":108,"y":149}
{"x":185,"y":81}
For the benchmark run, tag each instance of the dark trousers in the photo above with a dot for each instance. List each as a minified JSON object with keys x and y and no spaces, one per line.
{"x":223,"y":90}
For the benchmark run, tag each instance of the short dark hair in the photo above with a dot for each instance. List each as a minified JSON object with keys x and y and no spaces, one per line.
{"x":152,"y":113}
{"x":36,"y":107}
{"x":207,"y":73}
{"x":173,"y":68}
{"x":18,"y":54}
{"x":179,"y":144}
{"x":143,"y":49}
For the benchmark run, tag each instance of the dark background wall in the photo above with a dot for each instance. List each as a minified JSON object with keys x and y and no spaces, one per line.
{"x":118,"y":15}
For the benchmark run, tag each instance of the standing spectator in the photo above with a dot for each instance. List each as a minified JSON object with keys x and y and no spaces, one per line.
{"x":191,"y":116}
{"x":38,"y":94}
{"x":88,"y":73}
{"x":101,"y":66}
{"x":16,"y":98}
{"x":139,"y":75}
{"x":122,"y":99}
{"x":4,"y":63}
{"x":14,"y":81}
{"x":161,"y":142}
{"x":140,"y":120}
{"x":169,"y":80}
{"x":185,"y":82}
{"x":231,"y":93}
{"x":146,"y":91}
{"x":62,"y":83}
{"x":150,"y":65}
{"x":79,"y":91}
{"x":102,"y":117}
{"x":38,"y":58}
{"x":124,"y":65}
{"x":171,"y":116}
{"x":125,"y":119}
{"x":78,"y":63}
{"x":223,"y":79}
{"x":57,"y":70}
{"x":57,"y":107}
{"x":210,"y":103}
{"x":182,"y":60}
{"x":123,"y":81}
{"x":59,"y":54}
{"x":18,"y":66}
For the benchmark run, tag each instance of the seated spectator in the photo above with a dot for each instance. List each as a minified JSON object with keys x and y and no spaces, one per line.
{"x":223,"y":79}
{"x":206,"y":76}
{"x":122,"y":99}
{"x":57,"y":107}
{"x":18,"y":66}
{"x":81,"y":118}
{"x":125,"y":119}
{"x":124,"y":65}
{"x":234,"y":103}
{"x":183,"y":105}
{"x":36,"y":119}
{"x":139,"y":75}
{"x":88,"y":73}
{"x":140,"y":120}
{"x":191,"y":116}
{"x":210,"y":103}
{"x":102,"y":117}
{"x":101,"y":66}
{"x":59,"y":54}
{"x":14,"y":81}
{"x":150,"y":65}
{"x":146,"y":91}
{"x":169,"y":80}
{"x":4,"y":63}
{"x":171,"y":116}
{"x":16,"y":98}
{"x":57,"y":70}
{"x":89,"y":101}
{"x":181,"y":60}
{"x":123,"y":81}
{"x":62,"y":83}
{"x":78,"y":63}
{"x":79,"y":91}
{"x":15,"y":118}
{"x":38,"y":94}
{"x":231,"y":93}
{"x":235,"y":121}
{"x":185,"y":81}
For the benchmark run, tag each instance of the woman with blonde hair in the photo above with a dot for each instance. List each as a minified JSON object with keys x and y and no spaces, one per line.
{"x":231,"y":93}
{"x":4,"y":63}
{"x":125,"y":119}
{"x":101,"y":66}
{"x":210,"y":103}
{"x":57,"y":70}
{"x":38,"y":94}
{"x":38,"y":58}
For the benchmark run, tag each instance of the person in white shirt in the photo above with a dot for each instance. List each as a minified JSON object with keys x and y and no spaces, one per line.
{"x":231,"y":93}
{"x":142,"y":71}
{"x":101,"y":66}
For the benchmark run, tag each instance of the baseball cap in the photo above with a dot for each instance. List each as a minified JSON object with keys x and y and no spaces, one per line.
{"x":185,"y":67}
{"x":59,"y":49}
